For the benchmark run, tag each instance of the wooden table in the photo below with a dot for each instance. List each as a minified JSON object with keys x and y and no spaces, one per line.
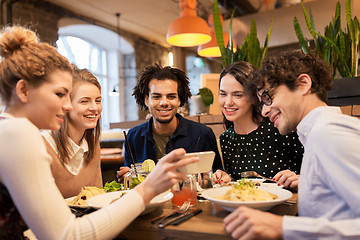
{"x":206,"y":225}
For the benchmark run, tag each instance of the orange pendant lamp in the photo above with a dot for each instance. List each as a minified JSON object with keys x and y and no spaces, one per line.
{"x":211,"y":49}
{"x":188,"y":30}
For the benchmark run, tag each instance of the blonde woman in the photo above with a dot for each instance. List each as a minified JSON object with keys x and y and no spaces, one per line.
{"x":75,"y":148}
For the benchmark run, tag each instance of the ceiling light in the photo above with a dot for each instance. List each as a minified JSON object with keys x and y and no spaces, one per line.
{"x":211,"y":49}
{"x":114,"y":93}
{"x":188,"y":30}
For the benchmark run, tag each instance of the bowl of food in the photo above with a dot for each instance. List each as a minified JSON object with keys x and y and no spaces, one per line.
{"x":203,"y":165}
{"x":258,"y":197}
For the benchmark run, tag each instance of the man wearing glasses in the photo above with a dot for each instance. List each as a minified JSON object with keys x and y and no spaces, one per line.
{"x":293,"y":89}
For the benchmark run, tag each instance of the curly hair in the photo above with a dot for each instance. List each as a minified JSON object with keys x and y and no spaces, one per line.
{"x":92,"y":136}
{"x":286,"y":67}
{"x":243,"y":73}
{"x":24,"y":57}
{"x":141,"y":90}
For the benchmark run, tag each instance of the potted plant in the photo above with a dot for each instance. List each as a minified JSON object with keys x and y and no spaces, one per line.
{"x":201,"y":102}
{"x":340,"y":49}
{"x":250,"y":51}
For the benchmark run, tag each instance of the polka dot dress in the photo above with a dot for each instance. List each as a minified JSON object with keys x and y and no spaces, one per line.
{"x":264,"y":150}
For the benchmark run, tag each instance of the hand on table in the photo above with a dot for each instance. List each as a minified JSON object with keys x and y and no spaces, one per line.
{"x":247,"y":223}
{"x":165,"y":174}
{"x":220,"y":177}
{"x":288,"y":179}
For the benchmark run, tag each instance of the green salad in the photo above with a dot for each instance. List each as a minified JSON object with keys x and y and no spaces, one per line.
{"x":113,"y":186}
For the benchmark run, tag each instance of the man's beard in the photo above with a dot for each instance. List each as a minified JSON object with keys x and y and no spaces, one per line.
{"x":165,"y":120}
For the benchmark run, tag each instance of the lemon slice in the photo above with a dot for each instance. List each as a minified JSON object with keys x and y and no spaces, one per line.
{"x":148,"y":165}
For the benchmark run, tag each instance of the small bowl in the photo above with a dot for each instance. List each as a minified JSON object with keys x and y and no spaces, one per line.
{"x":203,"y":165}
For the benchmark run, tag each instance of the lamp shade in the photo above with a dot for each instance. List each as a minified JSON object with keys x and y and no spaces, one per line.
{"x":211,"y":49}
{"x":188,"y":30}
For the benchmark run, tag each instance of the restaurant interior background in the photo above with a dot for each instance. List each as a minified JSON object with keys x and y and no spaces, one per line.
{"x":117,"y":39}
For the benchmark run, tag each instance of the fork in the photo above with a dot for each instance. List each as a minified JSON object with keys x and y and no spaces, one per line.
{"x":181,"y":210}
{"x":254,"y":174}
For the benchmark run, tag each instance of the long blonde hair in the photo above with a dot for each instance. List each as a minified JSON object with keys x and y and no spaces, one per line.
{"x":91,"y":136}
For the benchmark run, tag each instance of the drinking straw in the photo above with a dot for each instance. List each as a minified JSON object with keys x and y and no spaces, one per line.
{"x":131,"y":155}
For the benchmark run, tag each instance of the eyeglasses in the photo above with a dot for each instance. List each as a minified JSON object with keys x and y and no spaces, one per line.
{"x":265,"y":97}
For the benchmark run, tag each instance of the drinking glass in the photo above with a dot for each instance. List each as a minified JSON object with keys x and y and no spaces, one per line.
{"x":131,"y":180}
{"x":185,"y":191}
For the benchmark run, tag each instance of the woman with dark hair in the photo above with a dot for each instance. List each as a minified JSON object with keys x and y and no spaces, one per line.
{"x":75,"y":148}
{"x":251,"y":142}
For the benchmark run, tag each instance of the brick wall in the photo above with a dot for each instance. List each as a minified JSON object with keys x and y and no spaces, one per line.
{"x":352,"y":110}
{"x":42,"y":20}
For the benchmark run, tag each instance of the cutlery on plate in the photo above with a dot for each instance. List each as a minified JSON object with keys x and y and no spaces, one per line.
{"x":254,"y":174}
{"x":181,"y":218}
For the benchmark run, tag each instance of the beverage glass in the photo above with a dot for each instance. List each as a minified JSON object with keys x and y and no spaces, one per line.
{"x":205,"y":180}
{"x":131,"y":180}
{"x":185,"y":191}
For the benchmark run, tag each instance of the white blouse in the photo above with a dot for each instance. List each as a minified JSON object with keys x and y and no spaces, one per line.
{"x":76,"y":152}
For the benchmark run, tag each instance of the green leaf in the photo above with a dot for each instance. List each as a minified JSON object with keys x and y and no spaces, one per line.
{"x":302,"y":42}
{"x":230,"y":44}
{"x":310,"y":24}
{"x":337,"y":26}
{"x":219,"y":31}
{"x":337,"y":10}
{"x":341,"y":55}
{"x":266,"y":44}
{"x":207,"y":96}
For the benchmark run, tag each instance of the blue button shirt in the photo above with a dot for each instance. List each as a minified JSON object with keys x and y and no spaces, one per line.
{"x":185,"y":136}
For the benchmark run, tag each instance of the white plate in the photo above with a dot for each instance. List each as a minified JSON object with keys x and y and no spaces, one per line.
{"x":255,"y":180}
{"x":203,"y":165}
{"x":215,"y":193}
{"x":272,"y":185}
{"x":67,"y":200}
{"x":104,"y":200}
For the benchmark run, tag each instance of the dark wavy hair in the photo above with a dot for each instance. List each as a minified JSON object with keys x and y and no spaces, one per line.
{"x":243,"y":73}
{"x":141,"y":90}
{"x":286,"y":67}
{"x":92,"y":136}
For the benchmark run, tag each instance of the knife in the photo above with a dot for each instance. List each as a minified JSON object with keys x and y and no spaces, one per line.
{"x":185,"y":218}
{"x":179,"y":219}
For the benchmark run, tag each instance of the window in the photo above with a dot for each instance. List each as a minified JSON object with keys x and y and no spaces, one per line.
{"x":101,"y":51}
{"x":87,"y":55}
{"x":83,"y":54}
